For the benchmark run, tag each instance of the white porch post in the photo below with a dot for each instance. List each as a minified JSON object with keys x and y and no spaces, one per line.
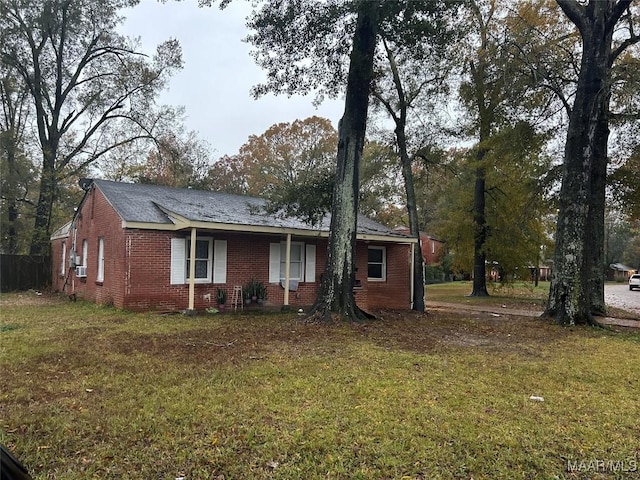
{"x":192,"y":270}
{"x":287,"y":265}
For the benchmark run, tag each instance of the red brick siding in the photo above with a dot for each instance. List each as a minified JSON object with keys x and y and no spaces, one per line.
{"x":395,"y":290}
{"x":137,"y":266}
{"x":96,"y":219}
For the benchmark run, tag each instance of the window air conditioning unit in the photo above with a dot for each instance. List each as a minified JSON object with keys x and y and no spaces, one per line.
{"x":81,"y":272}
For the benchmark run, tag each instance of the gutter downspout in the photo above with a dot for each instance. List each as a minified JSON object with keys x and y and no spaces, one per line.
{"x":287,"y":266}
{"x":73,"y":253}
{"x":192,"y":270}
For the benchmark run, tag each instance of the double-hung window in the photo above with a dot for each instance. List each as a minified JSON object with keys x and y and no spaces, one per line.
{"x":377,"y":264}
{"x":296,"y":262}
{"x":203,"y":259}
{"x":210,"y":262}
{"x":85,"y":252}
{"x":302,"y":262}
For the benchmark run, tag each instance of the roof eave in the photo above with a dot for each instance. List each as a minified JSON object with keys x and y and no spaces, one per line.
{"x":181,"y":223}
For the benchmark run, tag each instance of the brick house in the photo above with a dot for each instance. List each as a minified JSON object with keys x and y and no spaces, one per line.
{"x":432,"y":249}
{"x":129,"y":245}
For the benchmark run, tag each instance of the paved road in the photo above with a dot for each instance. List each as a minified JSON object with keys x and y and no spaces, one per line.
{"x":616,"y":295}
{"x":619,"y":296}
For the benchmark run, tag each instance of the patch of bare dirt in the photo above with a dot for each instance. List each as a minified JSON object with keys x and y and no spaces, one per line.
{"x":31,"y":298}
{"x":244,"y":339}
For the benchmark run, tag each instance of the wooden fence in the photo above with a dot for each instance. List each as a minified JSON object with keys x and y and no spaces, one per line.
{"x":24,"y":272}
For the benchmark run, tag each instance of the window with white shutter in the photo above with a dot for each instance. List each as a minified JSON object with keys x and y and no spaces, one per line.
{"x":210,"y":260}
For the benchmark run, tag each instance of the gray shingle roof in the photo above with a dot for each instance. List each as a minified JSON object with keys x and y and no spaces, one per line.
{"x":148,"y":204}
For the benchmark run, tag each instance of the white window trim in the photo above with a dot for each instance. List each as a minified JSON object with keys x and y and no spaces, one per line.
{"x":209,"y":277}
{"x":308,"y":262}
{"x":100,"y":275}
{"x":179,"y":256}
{"x":63,"y":263}
{"x":85,"y":252}
{"x":302,"y":261}
{"x":384,"y":264}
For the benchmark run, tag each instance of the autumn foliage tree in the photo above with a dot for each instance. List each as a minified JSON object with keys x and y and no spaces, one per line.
{"x":304,"y":47}
{"x":290,"y":164}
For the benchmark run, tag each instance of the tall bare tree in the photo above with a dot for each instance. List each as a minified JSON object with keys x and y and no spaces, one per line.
{"x":15,"y":168}
{"x":89,"y":89}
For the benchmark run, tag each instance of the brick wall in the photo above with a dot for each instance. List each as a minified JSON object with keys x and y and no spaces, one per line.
{"x":97,"y":220}
{"x":137,"y":266}
{"x":395,"y":291}
{"x":247,"y":257}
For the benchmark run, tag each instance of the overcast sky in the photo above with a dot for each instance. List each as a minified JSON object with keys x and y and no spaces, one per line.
{"x":218,"y":72}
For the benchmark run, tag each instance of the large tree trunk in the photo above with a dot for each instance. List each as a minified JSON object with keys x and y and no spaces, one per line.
{"x":414,"y":224}
{"x":400,"y":119}
{"x":595,"y":263}
{"x":480,"y":229}
{"x":336,"y":291}
{"x":40,"y":243}
{"x":577,"y":282}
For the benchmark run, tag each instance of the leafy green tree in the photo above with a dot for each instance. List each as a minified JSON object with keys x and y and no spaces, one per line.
{"x":624,"y":185}
{"x":517,"y":207}
{"x":631,"y":253}
{"x":90,"y":91}
{"x":493,"y":89}
{"x":618,"y":233}
{"x":303,"y":45}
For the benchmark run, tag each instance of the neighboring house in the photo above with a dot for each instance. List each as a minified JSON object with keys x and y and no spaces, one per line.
{"x":620,"y":272}
{"x":432,"y":249}
{"x":129,"y":245}
{"x":544,"y":272}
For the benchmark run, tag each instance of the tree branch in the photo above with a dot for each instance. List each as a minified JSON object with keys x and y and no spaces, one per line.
{"x":616,"y":13}
{"x":574,"y":11}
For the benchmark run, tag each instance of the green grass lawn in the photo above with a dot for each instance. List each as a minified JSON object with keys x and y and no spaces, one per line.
{"x":515,"y":295}
{"x":93,"y":392}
